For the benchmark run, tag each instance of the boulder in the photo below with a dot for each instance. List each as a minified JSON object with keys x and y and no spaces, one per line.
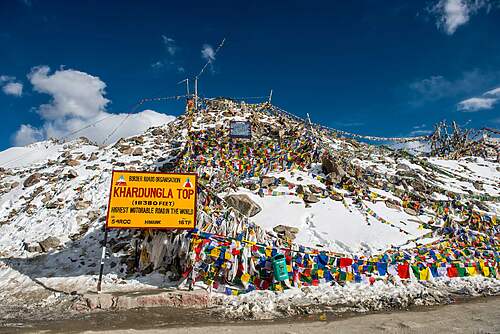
{"x":49,"y":243}
{"x":157,"y":131}
{"x":33,"y":248}
{"x":283,"y":228}
{"x":310,"y":198}
{"x":72,"y":162}
{"x":314,"y":189}
{"x":72,"y":174}
{"x":267,"y":181}
{"x":137,"y":151}
{"x":32,"y":179}
{"x":403,"y":167}
{"x":82,"y":205}
{"x":478,"y":185}
{"x":93,"y":156}
{"x":410,"y":211}
{"x":332,"y":168}
{"x":125,"y":150}
{"x":392,"y":205}
{"x":138,"y":139}
{"x":300,"y":189}
{"x":243,"y":204}
{"x":286,"y":232}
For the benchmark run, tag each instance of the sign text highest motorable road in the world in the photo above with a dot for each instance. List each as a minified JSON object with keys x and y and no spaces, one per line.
{"x":152,"y":200}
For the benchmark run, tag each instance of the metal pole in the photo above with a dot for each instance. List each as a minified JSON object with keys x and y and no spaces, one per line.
{"x":187,"y":86}
{"x":196,"y":93}
{"x":103,"y":255}
{"x":136,"y":259}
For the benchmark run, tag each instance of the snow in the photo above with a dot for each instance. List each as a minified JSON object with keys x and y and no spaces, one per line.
{"x":352,"y":297}
{"x":330,"y":225}
{"x":28,"y":155}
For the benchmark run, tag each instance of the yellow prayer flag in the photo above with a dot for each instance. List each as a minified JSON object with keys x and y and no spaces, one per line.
{"x":424,"y":274}
{"x":215,"y":252}
{"x":268,"y":252}
{"x":245,"y":277}
{"x":471,"y":271}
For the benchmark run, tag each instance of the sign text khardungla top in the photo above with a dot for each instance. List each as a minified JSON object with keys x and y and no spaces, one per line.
{"x":152,"y":200}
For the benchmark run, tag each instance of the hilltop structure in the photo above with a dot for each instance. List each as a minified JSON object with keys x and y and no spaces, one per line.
{"x":338,"y":209}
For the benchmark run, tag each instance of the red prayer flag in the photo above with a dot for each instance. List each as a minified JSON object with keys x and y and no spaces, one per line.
{"x":452,"y":271}
{"x":345,"y":262}
{"x":404,"y":270}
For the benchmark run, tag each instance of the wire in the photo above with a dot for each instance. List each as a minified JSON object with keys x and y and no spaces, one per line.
{"x":210,"y":58}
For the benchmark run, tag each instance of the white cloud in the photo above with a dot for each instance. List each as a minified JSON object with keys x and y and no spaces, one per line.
{"x":13,"y":88}
{"x":451,"y":14}
{"x":170,"y":61}
{"x":10,"y":86}
{"x":494,"y":92}
{"x":437,"y":87}
{"x":484,"y":102}
{"x":6,"y":78}
{"x":27,"y":135}
{"x":208,"y":52}
{"x":170,"y":45}
{"x":77,"y":103}
{"x":476,"y":104}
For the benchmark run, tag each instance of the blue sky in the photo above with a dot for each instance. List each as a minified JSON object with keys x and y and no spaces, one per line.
{"x":388,"y":68}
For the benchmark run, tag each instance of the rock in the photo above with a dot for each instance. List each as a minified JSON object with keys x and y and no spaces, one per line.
{"x":93,"y":156}
{"x":286,"y":232}
{"x":72,"y":162}
{"x":336,"y":197}
{"x":32,"y":179}
{"x":137,"y":151}
{"x":157,"y":131}
{"x":314,"y":189}
{"x":14,"y":185}
{"x":283,"y":228}
{"x":82,"y":205}
{"x":300,"y":189}
{"x":93,"y":215}
{"x":138,"y":139}
{"x":72,"y":174}
{"x":119,"y":246}
{"x":267,"y":181}
{"x":403,"y":167}
{"x":478,"y":185}
{"x":33,"y":248}
{"x":410,"y":211}
{"x":49,"y":243}
{"x":310,"y":198}
{"x":392,"y":205}
{"x":51,"y":205}
{"x":334,"y":170}
{"x":125,"y":150}
{"x":243,"y":204}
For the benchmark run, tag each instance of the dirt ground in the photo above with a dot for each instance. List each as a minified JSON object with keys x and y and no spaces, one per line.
{"x":479,"y":315}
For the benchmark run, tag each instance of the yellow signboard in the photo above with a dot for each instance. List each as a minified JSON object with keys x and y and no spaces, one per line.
{"x":152,"y":200}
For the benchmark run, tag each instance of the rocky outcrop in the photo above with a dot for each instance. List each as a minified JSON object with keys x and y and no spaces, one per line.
{"x":243,"y":204}
{"x":49,"y":243}
{"x":32,"y":179}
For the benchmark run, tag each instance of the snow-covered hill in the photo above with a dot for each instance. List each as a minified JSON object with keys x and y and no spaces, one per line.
{"x":308,"y":186}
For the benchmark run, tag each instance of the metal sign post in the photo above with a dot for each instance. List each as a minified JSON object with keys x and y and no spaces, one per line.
{"x":103,"y":256}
